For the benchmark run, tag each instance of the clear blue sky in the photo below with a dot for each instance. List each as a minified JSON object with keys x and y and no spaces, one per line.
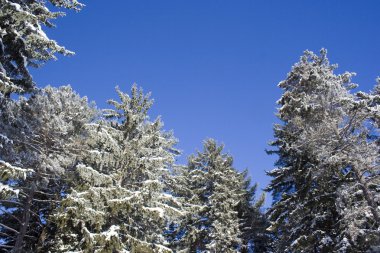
{"x":212,"y":66}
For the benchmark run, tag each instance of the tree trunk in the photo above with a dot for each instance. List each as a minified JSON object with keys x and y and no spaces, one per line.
{"x":368,"y":196}
{"x":25,"y":221}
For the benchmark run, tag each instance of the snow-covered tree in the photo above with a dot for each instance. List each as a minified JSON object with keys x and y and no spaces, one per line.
{"x":345,"y":145}
{"x":359,"y":196}
{"x":322,"y":200}
{"x":41,"y":137}
{"x":304,"y":215}
{"x":212,"y":190}
{"x":253,"y":222}
{"x":23,"y":43}
{"x":119,"y":200}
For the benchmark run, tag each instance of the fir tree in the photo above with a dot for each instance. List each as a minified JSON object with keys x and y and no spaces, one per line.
{"x":219,"y":202}
{"x":304,"y":215}
{"x":41,"y":138}
{"x":358,"y":197}
{"x":322,"y":199}
{"x":118,"y":200}
{"x":253,"y":222}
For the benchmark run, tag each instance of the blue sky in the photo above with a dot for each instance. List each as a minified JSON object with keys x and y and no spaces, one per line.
{"x":212,"y":66}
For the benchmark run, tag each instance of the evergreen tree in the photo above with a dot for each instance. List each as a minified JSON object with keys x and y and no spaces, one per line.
{"x":23,"y":43}
{"x":118,"y":200}
{"x":358,"y":197}
{"x":253,"y":221}
{"x":41,"y":137}
{"x":304,"y":215}
{"x":323,"y":201}
{"x":219,"y":202}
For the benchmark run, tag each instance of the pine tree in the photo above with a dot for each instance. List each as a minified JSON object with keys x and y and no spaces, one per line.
{"x":213,"y":191}
{"x":310,"y":169}
{"x":359,"y":196}
{"x":23,"y":43}
{"x":118,"y":201}
{"x":326,"y":186}
{"x":253,"y":222}
{"x":41,"y":138}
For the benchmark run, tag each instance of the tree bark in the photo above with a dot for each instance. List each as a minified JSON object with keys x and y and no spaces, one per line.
{"x":368,"y":196}
{"x":25,"y":221}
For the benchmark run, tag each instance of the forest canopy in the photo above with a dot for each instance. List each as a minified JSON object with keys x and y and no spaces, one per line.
{"x":78,"y":178}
